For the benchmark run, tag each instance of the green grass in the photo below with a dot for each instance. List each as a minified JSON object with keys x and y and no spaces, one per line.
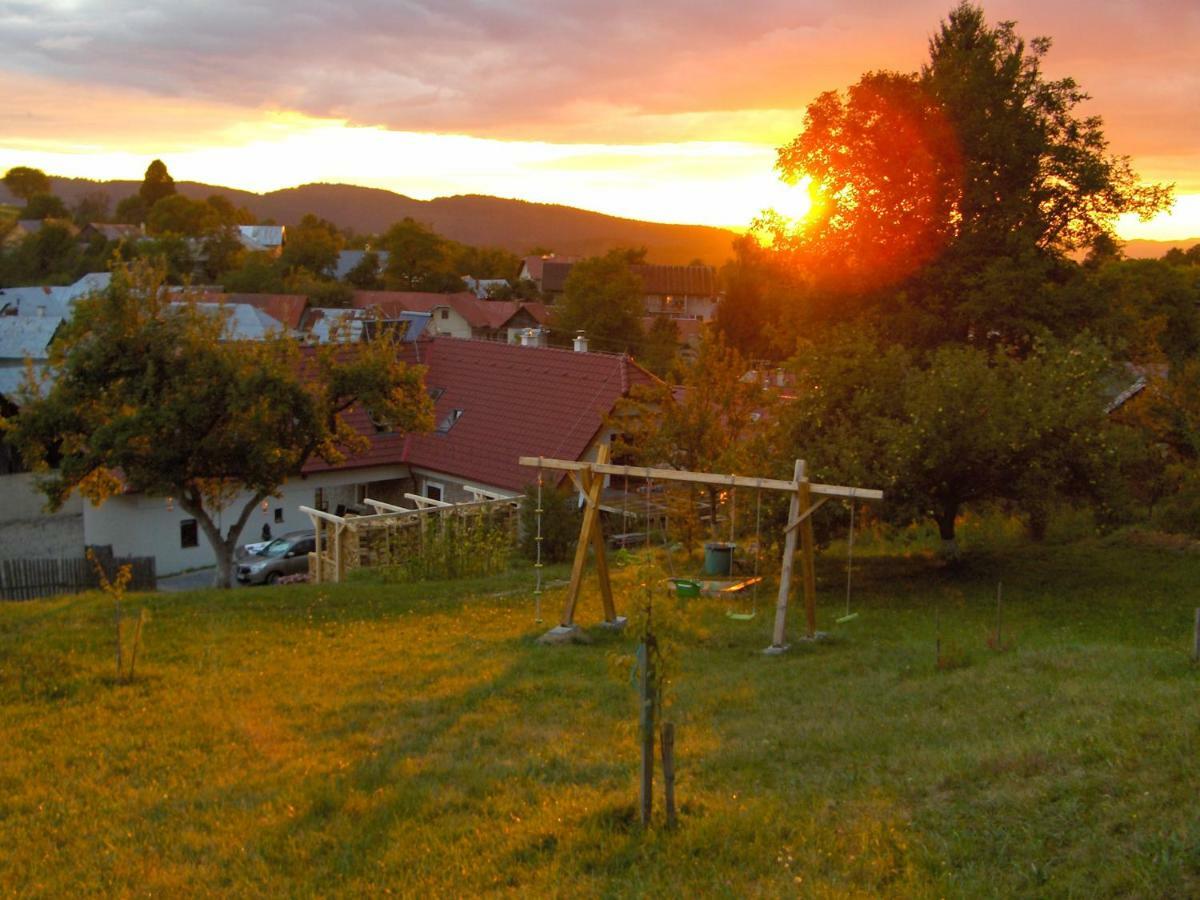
{"x":415,"y":739}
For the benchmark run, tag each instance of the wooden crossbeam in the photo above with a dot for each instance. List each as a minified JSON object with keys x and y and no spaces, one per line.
{"x":714,"y":478}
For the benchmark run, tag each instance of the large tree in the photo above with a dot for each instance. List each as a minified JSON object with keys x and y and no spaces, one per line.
{"x":312,"y":245}
{"x":24,"y":182}
{"x":603,"y":299}
{"x":150,"y":396}
{"x":419,"y":259}
{"x":964,"y":426}
{"x":949,"y":199}
{"x":156,"y":184}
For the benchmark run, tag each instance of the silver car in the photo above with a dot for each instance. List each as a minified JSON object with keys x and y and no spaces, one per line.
{"x":286,"y":555}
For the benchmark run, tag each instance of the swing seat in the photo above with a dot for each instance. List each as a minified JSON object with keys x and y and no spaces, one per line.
{"x":686,"y":587}
{"x":741,"y":617}
{"x":849,"y":617}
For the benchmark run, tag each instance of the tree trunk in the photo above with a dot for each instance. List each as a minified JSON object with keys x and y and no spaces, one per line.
{"x":1039,"y":519}
{"x":223,"y":546}
{"x":945,"y":520}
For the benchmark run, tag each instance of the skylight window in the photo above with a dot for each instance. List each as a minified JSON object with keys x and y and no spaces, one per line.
{"x":448,"y":422}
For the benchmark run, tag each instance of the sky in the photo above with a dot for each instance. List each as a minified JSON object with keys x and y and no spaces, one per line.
{"x":667,"y":111}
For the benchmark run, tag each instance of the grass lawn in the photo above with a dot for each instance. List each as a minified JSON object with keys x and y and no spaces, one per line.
{"x":414,"y":739}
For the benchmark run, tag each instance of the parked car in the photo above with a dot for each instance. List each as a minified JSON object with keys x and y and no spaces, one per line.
{"x":286,"y":555}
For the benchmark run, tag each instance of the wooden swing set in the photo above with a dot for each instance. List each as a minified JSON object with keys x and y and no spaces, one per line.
{"x":806,"y":498}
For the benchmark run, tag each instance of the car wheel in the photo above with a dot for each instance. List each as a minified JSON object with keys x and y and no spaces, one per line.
{"x":273,"y":578}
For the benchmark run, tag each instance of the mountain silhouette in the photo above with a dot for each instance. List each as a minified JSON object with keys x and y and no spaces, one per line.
{"x":515,"y":225}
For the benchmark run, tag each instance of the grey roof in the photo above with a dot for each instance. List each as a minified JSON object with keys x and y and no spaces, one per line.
{"x":12,"y":377}
{"x":348,"y":323}
{"x":323,"y":321}
{"x":52,"y":301}
{"x":483,"y":287}
{"x":245,"y":322}
{"x":27,"y":336}
{"x":348,"y":259}
{"x":264,"y":236}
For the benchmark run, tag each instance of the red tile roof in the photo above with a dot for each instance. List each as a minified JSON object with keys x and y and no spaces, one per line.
{"x":515,"y":401}
{"x":491,"y":314}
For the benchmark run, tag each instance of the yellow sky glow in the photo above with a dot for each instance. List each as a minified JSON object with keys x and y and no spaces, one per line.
{"x":725,"y":183}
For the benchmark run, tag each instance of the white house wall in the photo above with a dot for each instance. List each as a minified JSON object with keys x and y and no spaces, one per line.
{"x":444,"y":320}
{"x":136,"y":525}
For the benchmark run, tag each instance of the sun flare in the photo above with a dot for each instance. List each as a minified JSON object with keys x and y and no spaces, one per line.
{"x":791,"y":202}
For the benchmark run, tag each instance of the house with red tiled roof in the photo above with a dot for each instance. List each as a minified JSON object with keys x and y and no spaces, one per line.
{"x":684,"y":292}
{"x":493,"y":403}
{"x":461,"y":315}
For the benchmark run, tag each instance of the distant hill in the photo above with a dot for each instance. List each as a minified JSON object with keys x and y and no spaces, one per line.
{"x":1154,"y":249}
{"x":515,"y":225}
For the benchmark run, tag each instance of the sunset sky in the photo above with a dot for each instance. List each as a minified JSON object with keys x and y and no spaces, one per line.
{"x":668,"y":111}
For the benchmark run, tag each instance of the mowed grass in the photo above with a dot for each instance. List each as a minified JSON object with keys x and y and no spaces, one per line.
{"x":415,"y":740}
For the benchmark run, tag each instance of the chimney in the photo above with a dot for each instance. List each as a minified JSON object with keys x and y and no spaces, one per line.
{"x":41,"y":312}
{"x":581,"y":343}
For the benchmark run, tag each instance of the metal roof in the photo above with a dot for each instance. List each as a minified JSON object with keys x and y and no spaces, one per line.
{"x":27,"y":336}
{"x":245,"y":322}
{"x":267,"y":236}
{"x":348,"y":259}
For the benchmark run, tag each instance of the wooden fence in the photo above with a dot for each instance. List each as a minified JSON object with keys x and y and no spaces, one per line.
{"x":26,"y":579}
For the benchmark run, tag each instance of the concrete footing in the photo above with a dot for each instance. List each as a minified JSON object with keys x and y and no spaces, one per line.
{"x":617,"y":624}
{"x":777,"y":649}
{"x":565,"y":634}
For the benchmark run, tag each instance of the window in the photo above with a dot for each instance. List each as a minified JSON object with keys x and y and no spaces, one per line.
{"x":189,"y":534}
{"x":445,"y":313}
{"x":382,"y":426}
{"x":433,"y":490}
{"x":435,"y":393}
{"x":278,"y":514}
{"x":448,"y":422}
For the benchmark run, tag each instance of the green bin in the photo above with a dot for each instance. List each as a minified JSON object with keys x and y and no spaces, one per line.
{"x":718,"y":558}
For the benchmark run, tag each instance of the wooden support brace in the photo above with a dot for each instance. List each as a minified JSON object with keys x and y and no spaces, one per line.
{"x":591,"y":523}
{"x":804,"y":515}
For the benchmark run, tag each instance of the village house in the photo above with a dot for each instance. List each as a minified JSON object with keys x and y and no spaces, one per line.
{"x":44,"y":300}
{"x":493,"y":403}
{"x":679,"y":292}
{"x":109,"y":231}
{"x":461,"y":315}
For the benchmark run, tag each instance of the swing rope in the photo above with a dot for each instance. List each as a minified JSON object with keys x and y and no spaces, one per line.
{"x":537,"y":542}
{"x":746,"y":617}
{"x":849,"y":616}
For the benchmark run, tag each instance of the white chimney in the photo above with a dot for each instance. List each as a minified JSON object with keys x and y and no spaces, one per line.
{"x":581,"y":343}
{"x":41,"y":312}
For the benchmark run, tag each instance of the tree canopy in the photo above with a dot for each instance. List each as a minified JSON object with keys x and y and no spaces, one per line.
{"x":603,"y":299}
{"x":949,"y":199}
{"x":24,"y":182}
{"x":150,"y":396}
{"x":156,"y":184}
